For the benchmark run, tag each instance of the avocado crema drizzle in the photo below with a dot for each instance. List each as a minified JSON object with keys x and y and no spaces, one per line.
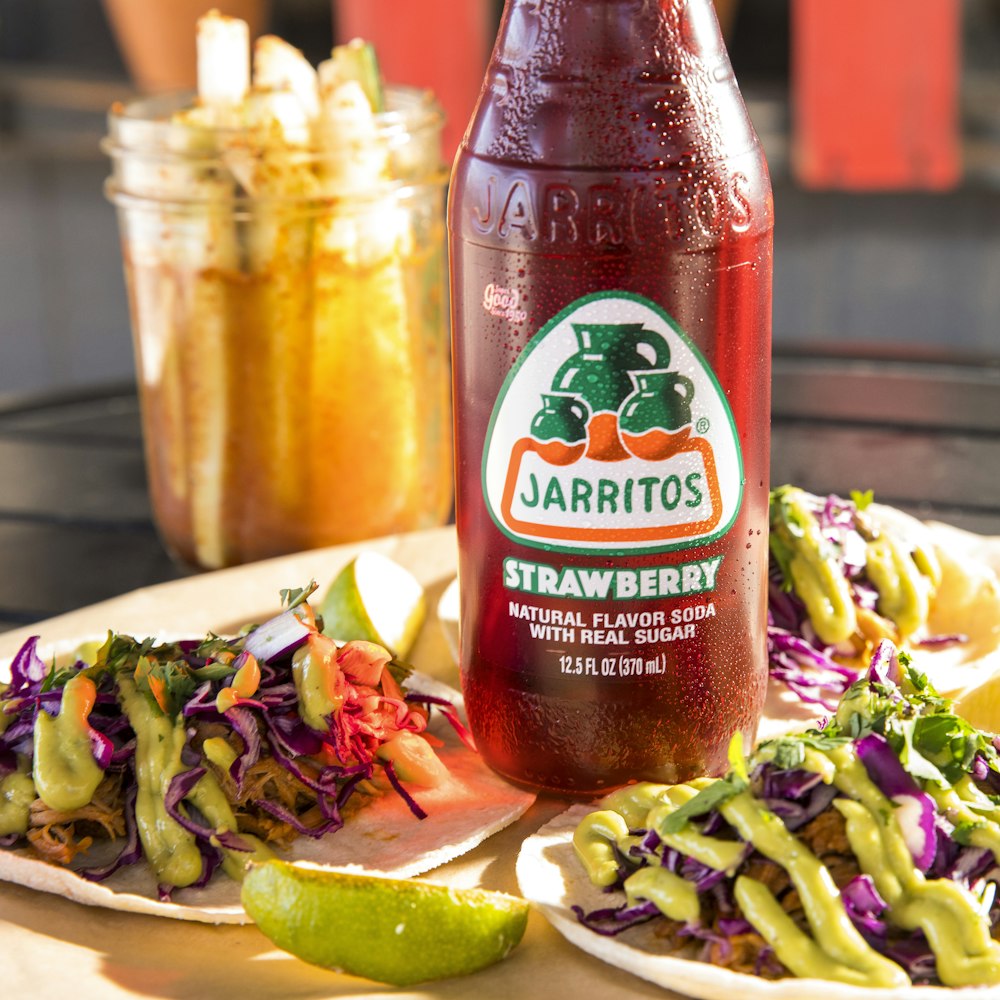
{"x":904,"y":578}
{"x":954,"y":919}
{"x":65,"y":776}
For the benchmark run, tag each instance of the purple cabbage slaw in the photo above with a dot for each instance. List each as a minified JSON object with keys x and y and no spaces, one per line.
{"x":901,"y":731}
{"x":797,"y":657}
{"x":190,"y":674}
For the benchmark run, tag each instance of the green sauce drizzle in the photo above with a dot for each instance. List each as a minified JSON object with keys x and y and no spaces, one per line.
{"x":17,"y":792}
{"x":65,"y":772}
{"x":905,"y":578}
{"x":949,"y":915}
{"x":170,"y":849}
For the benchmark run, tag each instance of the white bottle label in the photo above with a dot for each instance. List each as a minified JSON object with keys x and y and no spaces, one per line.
{"x":611,"y":434}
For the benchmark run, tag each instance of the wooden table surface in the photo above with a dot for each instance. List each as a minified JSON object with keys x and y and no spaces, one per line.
{"x":75,"y":524}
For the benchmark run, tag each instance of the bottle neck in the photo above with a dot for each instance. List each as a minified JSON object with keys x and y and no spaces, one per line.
{"x":612,"y":84}
{"x":599,"y":38}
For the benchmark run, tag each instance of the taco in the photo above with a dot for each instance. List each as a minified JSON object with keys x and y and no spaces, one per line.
{"x":847,"y":573}
{"x":142,"y":775}
{"x":862,"y":856}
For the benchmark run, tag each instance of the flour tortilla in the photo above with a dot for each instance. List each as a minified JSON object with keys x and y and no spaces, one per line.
{"x":549,"y":874}
{"x":382,"y":838}
{"x":551,"y":877}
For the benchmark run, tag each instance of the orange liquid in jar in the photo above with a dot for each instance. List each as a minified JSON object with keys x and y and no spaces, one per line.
{"x":294,"y":405}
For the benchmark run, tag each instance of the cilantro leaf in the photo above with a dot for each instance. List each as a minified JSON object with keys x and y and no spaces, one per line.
{"x":215,"y":671}
{"x":292,"y":598}
{"x":50,"y":679}
{"x":709,"y":798}
{"x":862,"y":500}
{"x":789,"y":754}
{"x":910,"y":756}
{"x":962,"y":834}
{"x":211,"y":646}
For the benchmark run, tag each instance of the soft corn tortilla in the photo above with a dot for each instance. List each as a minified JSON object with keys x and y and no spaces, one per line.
{"x":382,"y":837}
{"x":550,"y":876}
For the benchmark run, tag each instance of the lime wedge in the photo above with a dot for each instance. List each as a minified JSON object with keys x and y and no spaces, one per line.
{"x":398,"y":931}
{"x":980,"y":704}
{"x":375,"y":599}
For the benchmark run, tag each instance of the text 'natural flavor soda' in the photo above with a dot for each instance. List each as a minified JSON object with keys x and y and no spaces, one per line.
{"x":611,"y":222}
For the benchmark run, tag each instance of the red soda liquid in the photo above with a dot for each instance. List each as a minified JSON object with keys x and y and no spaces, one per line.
{"x":611,"y":153}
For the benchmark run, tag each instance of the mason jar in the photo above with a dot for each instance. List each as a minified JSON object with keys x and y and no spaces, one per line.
{"x":289,"y":317}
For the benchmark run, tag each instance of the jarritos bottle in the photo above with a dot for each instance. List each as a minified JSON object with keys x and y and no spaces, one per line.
{"x":611,"y":223}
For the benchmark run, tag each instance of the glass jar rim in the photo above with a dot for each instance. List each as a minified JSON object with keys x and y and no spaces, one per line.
{"x":159,"y":159}
{"x":145,"y":125}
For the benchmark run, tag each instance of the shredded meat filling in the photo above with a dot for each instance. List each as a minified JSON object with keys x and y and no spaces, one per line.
{"x":746,"y":953}
{"x":60,"y":836}
{"x":267,"y":779}
{"x":826,"y":837}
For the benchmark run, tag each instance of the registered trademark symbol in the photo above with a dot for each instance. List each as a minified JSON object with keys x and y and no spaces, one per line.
{"x":702,"y":426}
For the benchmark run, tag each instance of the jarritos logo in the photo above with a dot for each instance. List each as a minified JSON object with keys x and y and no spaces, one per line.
{"x":612,"y":434}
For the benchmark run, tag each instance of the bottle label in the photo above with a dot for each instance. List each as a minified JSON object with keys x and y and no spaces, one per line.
{"x":611,"y":434}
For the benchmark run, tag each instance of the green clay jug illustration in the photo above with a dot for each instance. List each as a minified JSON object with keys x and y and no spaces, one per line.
{"x":655,"y":420}
{"x":561,"y":427}
{"x":562,"y":416}
{"x":599,"y":371}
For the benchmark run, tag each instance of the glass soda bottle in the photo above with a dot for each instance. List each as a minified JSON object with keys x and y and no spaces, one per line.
{"x":611,"y":224}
